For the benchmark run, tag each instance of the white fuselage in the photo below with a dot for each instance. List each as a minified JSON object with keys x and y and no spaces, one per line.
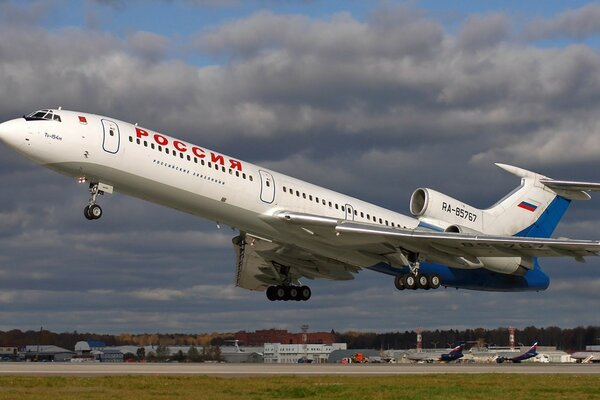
{"x":161,"y":169}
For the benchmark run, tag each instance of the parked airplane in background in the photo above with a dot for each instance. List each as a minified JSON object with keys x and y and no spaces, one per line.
{"x":531,"y":352}
{"x":290,"y":230}
{"x":432,"y":356}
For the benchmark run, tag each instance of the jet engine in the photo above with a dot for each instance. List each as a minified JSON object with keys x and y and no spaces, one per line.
{"x":443,"y":211}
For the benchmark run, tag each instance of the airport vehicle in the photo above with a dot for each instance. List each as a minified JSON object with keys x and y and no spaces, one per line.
{"x":433,"y":356}
{"x":290,"y":230}
{"x":531,"y":352}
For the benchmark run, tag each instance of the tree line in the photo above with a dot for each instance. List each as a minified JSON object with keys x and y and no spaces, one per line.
{"x":568,"y":339}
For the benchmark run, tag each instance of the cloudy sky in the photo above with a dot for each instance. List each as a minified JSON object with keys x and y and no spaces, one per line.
{"x":369,"y":99}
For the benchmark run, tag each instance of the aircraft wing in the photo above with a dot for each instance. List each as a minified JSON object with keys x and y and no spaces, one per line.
{"x":465,"y":245}
{"x":259,"y":264}
{"x":371,"y":238}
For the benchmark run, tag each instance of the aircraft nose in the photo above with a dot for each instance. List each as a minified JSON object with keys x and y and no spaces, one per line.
{"x":11,"y":130}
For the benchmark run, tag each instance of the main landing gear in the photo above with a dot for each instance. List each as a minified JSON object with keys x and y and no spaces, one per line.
{"x":93,"y":210}
{"x":286,"y":293}
{"x":415,"y":279}
{"x":418,"y":281}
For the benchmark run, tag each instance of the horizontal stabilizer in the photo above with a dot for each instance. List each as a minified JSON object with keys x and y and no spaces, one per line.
{"x":571,"y":189}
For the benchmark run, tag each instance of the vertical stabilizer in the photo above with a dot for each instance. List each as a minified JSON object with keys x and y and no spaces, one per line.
{"x":532,"y":209}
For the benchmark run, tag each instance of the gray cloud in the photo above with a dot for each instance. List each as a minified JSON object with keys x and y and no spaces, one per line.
{"x":484,"y":31}
{"x":579,"y":23}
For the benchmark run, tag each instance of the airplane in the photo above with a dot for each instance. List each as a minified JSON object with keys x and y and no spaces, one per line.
{"x":586,"y":356}
{"x":433,"y":356}
{"x":531,"y":352}
{"x":291,"y":230}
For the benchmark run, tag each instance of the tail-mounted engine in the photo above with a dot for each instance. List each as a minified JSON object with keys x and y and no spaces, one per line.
{"x":443,"y":211}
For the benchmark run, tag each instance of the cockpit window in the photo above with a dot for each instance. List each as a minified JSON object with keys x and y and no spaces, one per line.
{"x":43,"y":115}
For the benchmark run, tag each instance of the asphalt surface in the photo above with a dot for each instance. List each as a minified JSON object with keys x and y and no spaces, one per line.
{"x":91,"y":369}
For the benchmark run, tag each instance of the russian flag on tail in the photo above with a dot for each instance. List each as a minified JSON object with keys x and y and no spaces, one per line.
{"x":527,"y":206}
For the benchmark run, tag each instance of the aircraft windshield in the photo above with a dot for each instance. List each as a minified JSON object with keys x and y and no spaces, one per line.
{"x":43,"y":115}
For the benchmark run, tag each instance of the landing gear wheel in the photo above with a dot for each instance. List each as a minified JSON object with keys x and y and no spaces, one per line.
{"x":86,"y":213}
{"x":422,"y":281}
{"x":293,"y":293}
{"x":434,"y":281}
{"x":410,"y":281}
{"x":94,"y":211}
{"x":271,"y":293}
{"x":280,"y":293}
{"x":305,"y":293}
{"x":399,"y":282}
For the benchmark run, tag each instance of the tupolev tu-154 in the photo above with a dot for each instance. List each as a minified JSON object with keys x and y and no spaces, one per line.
{"x":291,"y":230}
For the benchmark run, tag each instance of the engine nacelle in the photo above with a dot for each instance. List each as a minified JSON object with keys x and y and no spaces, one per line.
{"x":433,"y":206}
{"x":506,"y":265}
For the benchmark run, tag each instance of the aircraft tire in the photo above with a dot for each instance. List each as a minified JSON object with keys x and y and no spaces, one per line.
{"x":95,"y":211}
{"x":410,"y":281}
{"x":86,"y":213}
{"x":434,"y":281}
{"x":305,"y":293}
{"x":422,"y":281}
{"x":271,"y":293}
{"x":399,"y":282}
{"x":280,"y":293}
{"x":294,"y":293}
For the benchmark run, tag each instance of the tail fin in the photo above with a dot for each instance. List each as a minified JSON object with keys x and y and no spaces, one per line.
{"x":458,"y":349}
{"x":535,"y":208}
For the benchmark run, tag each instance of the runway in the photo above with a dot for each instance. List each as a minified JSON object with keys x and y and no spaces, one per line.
{"x":232,"y":370}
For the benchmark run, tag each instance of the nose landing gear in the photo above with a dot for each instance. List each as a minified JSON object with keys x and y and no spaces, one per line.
{"x":92,"y":210}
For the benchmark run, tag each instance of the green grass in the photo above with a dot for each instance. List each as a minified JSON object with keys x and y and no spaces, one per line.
{"x":476,"y":386}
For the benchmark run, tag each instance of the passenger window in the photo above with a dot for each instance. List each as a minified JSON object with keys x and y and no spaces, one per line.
{"x":159,"y":147}
{"x":131,"y":139}
{"x":268,"y":183}
{"x":330,"y":205}
{"x":284,"y":190}
{"x":250,"y":177}
{"x":244,"y":175}
{"x":189,"y":158}
{"x":362,"y":214}
{"x":166,"y":150}
{"x":343,"y":209}
{"x":336,"y":206}
{"x":137,"y":140}
{"x":111,"y":132}
{"x":297,"y":193}
{"x":237,"y":173}
{"x":152,"y":146}
{"x":304,"y":195}
{"x":145,"y":143}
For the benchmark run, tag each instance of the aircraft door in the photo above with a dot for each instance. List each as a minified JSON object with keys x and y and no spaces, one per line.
{"x":267,"y":187}
{"x":111,"y":136}
{"x":349,"y":212}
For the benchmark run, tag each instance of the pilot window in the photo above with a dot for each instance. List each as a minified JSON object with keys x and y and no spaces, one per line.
{"x":43,"y":115}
